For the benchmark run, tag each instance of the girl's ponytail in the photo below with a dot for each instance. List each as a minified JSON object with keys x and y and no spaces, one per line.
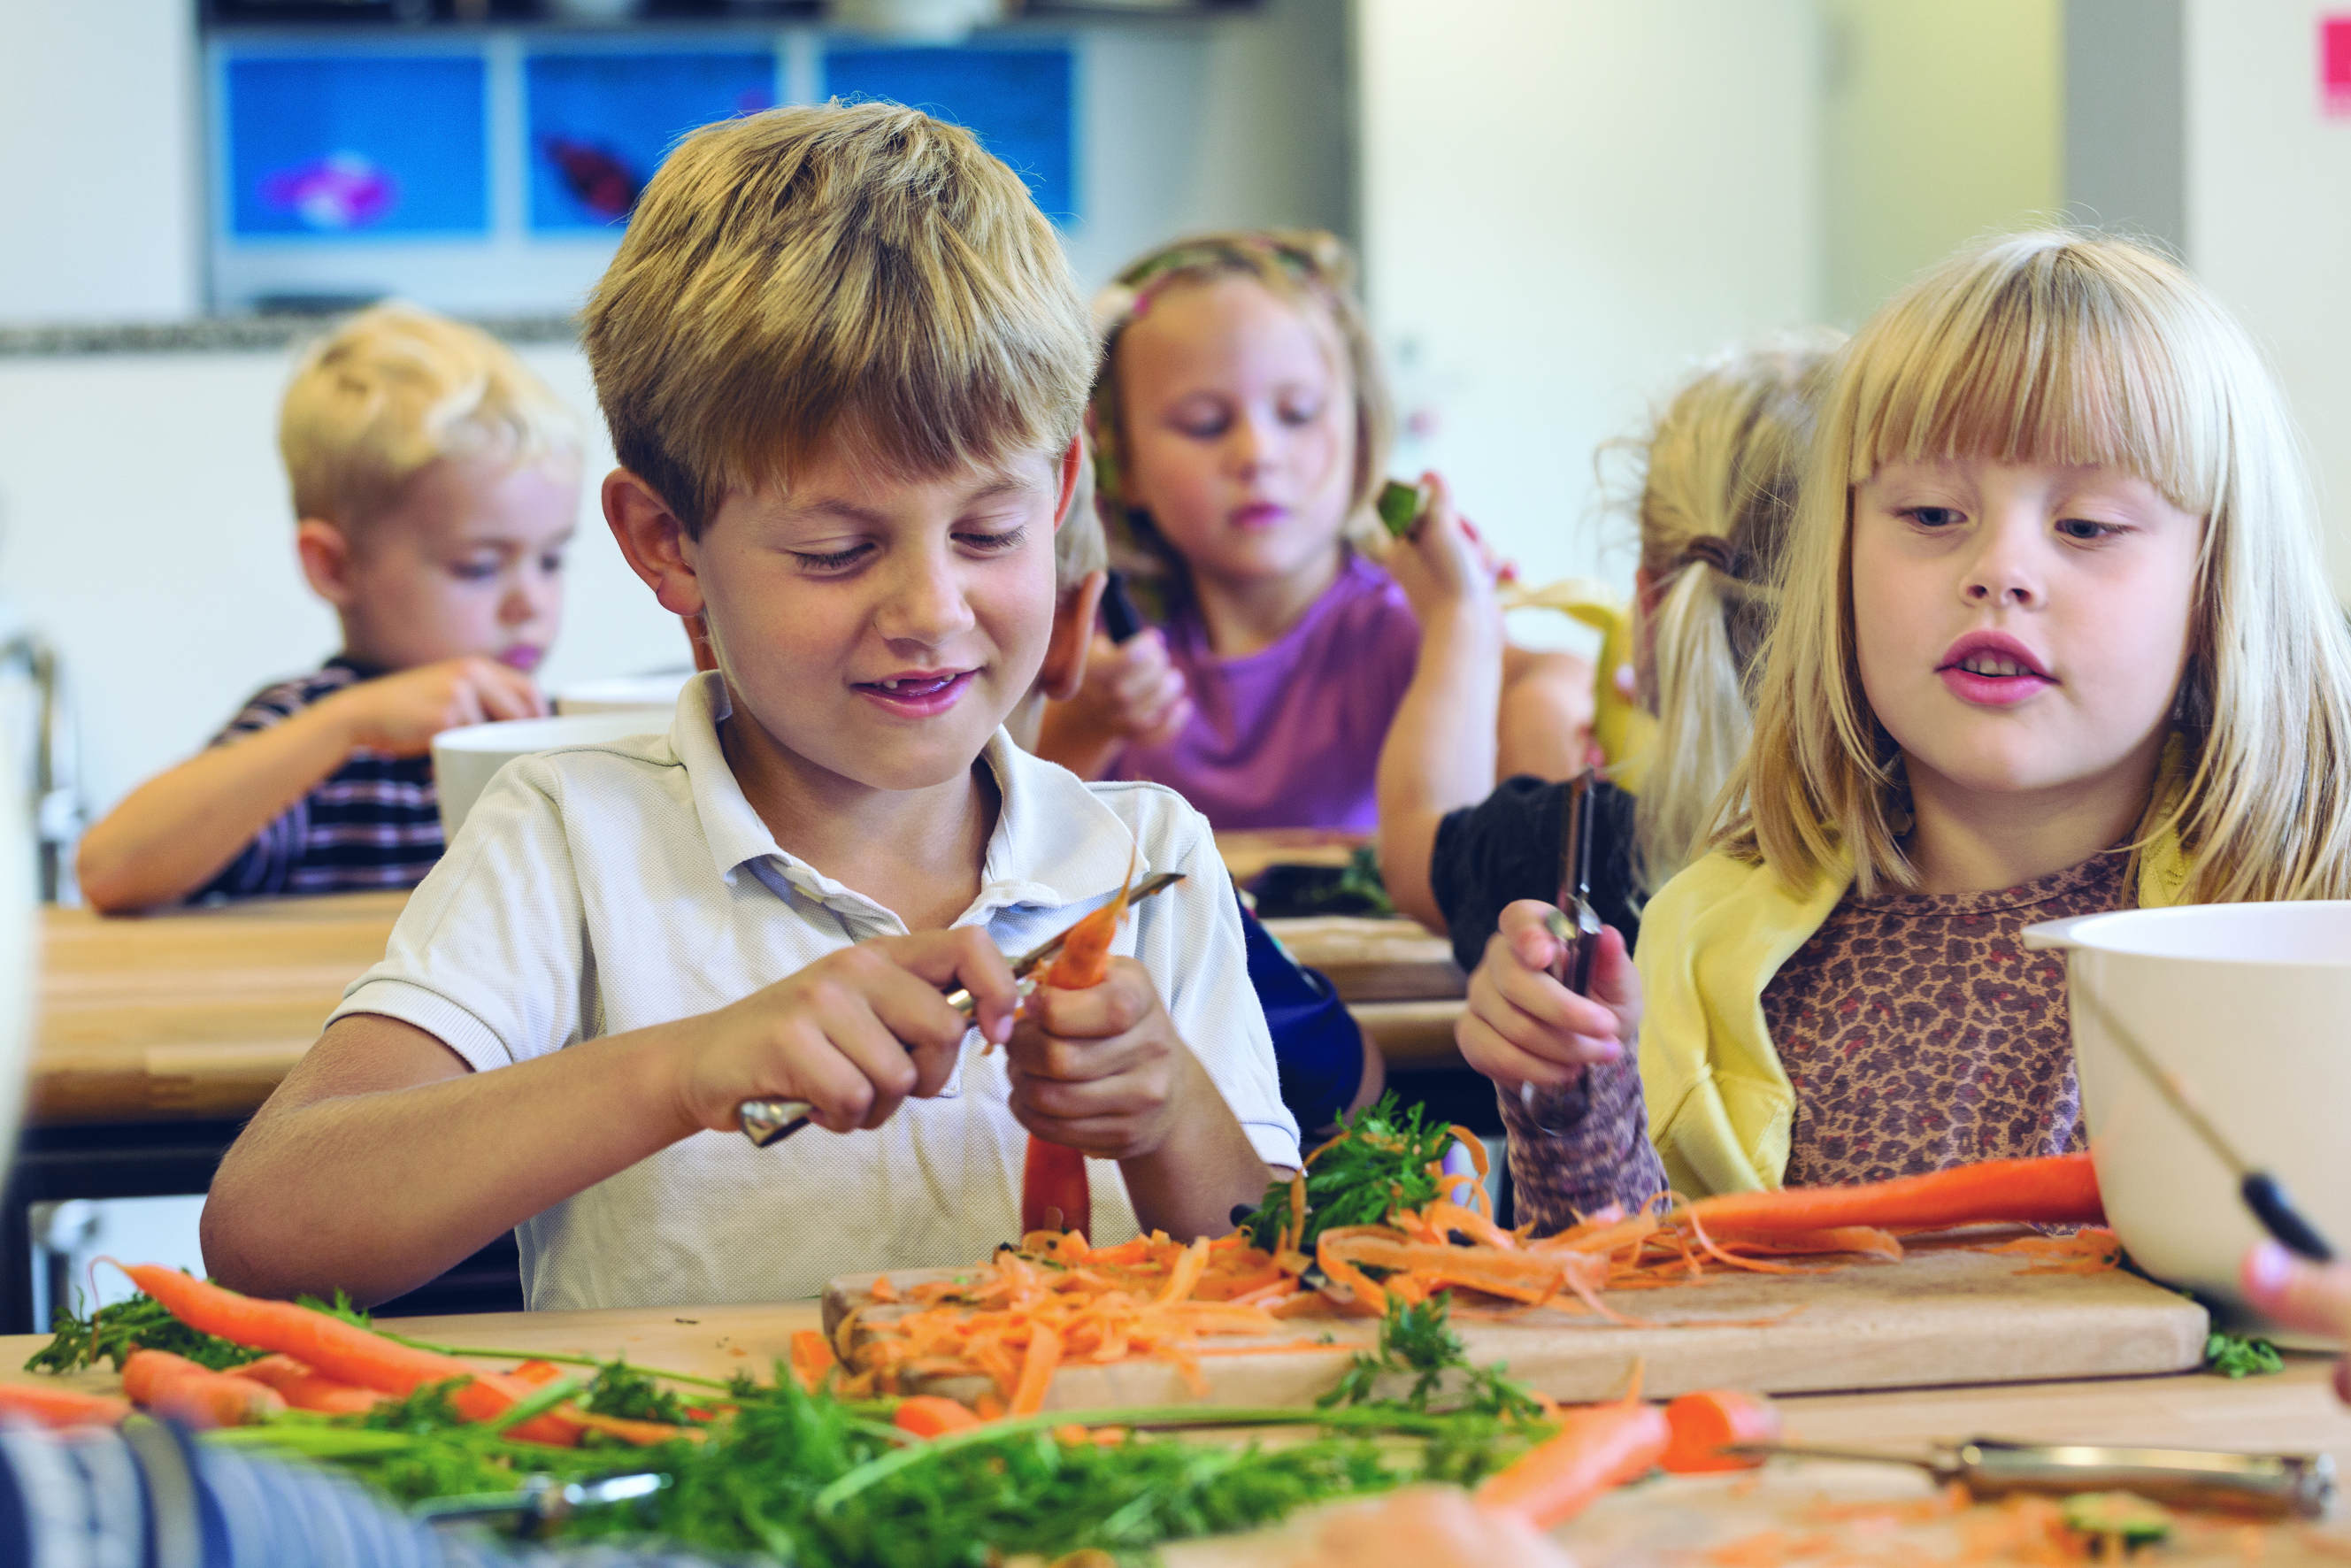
{"x":1719,"y":486}
{"x":1701,"y":694}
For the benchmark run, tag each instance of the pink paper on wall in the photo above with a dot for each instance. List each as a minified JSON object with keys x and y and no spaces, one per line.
{"x":2334,"y":65}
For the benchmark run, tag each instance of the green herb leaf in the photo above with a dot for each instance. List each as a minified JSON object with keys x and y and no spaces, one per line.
{"x":2241,"y":1355}
{"x":112,"y":1333}
{"x":1383,"y":1163}
{"x":1417,"y":1338}
{"x":620,"y":1389}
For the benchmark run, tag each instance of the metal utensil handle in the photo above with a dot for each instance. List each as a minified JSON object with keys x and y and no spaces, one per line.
{"x":2272,"y":1485}
{"x":770,"y":1122}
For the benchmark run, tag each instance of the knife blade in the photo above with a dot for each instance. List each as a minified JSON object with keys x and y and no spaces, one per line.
{"x":766,"y":1122}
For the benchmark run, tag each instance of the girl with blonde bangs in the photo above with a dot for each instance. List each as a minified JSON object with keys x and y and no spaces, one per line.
{"x":2054,"y":638}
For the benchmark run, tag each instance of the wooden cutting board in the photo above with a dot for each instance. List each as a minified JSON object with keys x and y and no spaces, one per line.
{"x":1937,"y":1317}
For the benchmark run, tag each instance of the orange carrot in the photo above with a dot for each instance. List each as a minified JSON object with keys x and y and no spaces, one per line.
{"x":1036,"y":1370}
{"x":812,"y":1357}
{"x":538,"y":1374}
{"x":174,"y":1385}
{"x":342,"y":1350}
{"x":643,"y":1434}
{"x":2060,"y":1189}
{"x":61,"y":1408}
{"x":1706,"y":1423}
{"x":1596,"y":1448}
{"x":1053,"y":1191}
{"x":304,"y":1389}
{"x":929,"y":1416}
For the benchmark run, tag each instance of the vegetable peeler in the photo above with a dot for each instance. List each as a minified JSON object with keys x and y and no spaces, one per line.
{"x":1120,"y":618}
{"x":1574,"y":923}
{"x":766,"y":1122}
{"x":542,"y":1504}
{"x":2272,"y":1486}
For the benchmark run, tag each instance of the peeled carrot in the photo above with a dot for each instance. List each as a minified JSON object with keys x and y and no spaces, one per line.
{"x":1706,"y":1423}
{"x":174,"y":1385}
{"x":812,"y":1357}
{"x":929,"y":1416}
{"x":61,"y":1408}
{"x":538,"y":1374}
{"x":1044,"y":1354}
{"x":1597,"y":1449}
{"x":643,"y":1434}
{"x":343,"y":1351}
{"x":1053,"y":1191}
{"x":2059,"y":1189}
{"x":304,"y":1389}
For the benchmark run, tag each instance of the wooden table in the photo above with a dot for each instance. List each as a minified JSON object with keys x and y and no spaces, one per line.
{"x":2295,"y":1411}
{"x":197,"y":1014}
{"x":158,"y":1035}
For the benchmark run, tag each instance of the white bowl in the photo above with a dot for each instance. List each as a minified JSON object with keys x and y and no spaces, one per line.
{"x":464,"y":759}
{"x":623,"y":693}
{"x":2250,"y":1006}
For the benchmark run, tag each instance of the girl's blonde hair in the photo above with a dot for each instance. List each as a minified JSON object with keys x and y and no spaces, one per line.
{"x":1719,"y":482}
{"x":2072,"y":349}
{"x":1298,"y":266}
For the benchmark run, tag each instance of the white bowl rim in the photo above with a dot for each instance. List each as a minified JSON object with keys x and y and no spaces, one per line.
{"x":2088,"y":930}
{"x":520,"y":735}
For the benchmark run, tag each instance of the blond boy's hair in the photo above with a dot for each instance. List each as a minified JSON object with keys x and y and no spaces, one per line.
{"x":1303,"y":266}
{"x":2075,"y":348}
{"x":846,"y":273}
{"x":396,"y":388}
{"x":1719,"y":470}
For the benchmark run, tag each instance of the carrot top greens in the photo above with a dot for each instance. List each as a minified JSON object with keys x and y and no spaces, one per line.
{"x":1383,"y":1159}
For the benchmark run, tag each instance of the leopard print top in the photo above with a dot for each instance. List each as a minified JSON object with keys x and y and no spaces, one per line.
{"x":1918,"y":1033}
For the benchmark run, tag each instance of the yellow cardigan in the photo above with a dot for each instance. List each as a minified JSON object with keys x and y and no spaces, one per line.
{"x":1721,"y":1106}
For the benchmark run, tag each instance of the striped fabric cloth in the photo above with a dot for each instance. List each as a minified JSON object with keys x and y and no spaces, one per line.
{"x":148,"y":1497}
{"x":372,"y":824}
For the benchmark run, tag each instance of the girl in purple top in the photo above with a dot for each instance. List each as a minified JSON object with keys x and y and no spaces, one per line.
{"x":1240,"y":427}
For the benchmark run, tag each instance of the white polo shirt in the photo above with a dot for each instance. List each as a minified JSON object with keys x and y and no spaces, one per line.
{"x":599,"y":889}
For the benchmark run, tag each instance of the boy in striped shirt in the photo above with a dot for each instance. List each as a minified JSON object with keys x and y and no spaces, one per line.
{"x":436,"y":482}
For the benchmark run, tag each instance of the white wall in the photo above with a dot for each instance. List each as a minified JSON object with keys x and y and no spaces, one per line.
{"x":1942,"y":121}
{"x":1565,"y":204}
{"x":142,"y":514}
{"x":97,"y":163}
{"x":2269,"y":217}
{"x":144,"y":529}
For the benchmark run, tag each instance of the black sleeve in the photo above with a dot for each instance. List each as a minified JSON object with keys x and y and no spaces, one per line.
{"x":1506,"y":848}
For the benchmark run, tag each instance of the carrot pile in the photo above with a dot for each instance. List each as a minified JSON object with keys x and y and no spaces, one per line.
{"x":318,"y":1362}
{"x":1055,"y":1300}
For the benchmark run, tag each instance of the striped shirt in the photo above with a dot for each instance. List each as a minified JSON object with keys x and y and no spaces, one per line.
{"x":373,"y":822}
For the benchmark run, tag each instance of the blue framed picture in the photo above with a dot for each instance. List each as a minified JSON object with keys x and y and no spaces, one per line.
{"x":356,"y":146}
{"x":1017,"y":99}
{"x":600,"y":123}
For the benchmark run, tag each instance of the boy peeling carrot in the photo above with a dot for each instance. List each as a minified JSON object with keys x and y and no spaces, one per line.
{"x":844,"y":363}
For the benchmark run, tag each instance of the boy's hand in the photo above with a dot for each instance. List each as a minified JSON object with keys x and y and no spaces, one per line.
{"x":1523,"y":1027}
{"x":401,"y":714}
{"x":853,"y":1034}
{"x":1441,"y":565}
{"x":1103,"y":1070}
{"x":1131,"y":691}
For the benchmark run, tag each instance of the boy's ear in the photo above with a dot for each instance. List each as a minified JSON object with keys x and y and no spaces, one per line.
{"x":1064,"y":670}
{"x":654,"y":541}
{"x":1071,"y":459}
{"x":325,"y":551}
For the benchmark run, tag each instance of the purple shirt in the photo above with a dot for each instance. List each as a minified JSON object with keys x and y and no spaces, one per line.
{"x":1290,"y":736}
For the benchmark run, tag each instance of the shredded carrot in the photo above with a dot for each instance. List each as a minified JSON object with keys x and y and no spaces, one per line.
{"x":1057,"y":1300}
